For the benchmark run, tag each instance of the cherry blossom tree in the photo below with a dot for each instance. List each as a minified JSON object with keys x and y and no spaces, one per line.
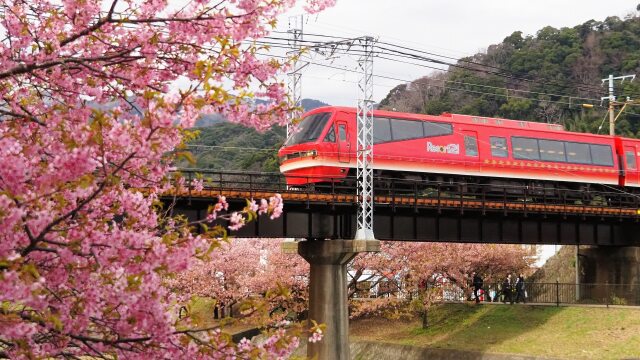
{"x":244,"y":268}
{"x":95,"y":98}
{"x":418,"y":268}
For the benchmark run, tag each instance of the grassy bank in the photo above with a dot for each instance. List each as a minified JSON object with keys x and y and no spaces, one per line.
{"x":564,"y":332}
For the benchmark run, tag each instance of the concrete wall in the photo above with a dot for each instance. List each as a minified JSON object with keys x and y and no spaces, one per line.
{"x":613,"y":265}
{"x":617,"y":266}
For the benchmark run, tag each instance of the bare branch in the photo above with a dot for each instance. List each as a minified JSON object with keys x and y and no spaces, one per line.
{"x":24,"y":116}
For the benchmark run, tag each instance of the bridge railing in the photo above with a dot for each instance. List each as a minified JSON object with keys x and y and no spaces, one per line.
{"x":428,"y":193}
{"x":237,"y":180}
{"x":546,"y":293}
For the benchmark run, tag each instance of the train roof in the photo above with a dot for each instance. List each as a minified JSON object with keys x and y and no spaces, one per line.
{"x":457,"y":118}
{"x":504,"y":123}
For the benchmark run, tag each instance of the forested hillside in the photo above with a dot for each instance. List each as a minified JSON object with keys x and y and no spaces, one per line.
{"x":545,"y":78}
{"x":225,"y":146}
{"x":230,"y":146}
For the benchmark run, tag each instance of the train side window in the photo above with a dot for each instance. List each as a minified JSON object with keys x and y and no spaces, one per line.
{"x":552,"y":150}
{"x":578,"y":153}
{"x":470,"y":145}
{"x":342,"y":132}
{"x":601,"y":155}
{"x":525,"y":148}
{"x":406,"y":129}
{"x":631,"y":160}
{"x":437,"y":129}
{"x":381,"y":130}
{"x":331,"y":136}
{"x":498,"y":146}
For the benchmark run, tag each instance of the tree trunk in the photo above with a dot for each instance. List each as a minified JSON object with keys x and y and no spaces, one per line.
{"x":425,"y":319}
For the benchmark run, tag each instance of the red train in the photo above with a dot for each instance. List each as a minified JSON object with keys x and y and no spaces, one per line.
{"x":459,"y":148}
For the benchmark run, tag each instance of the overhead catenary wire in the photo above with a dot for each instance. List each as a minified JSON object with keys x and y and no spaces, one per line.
{"x":496,"y":70}
{"x":455,"y":88}
{"x":352,"y":51}
{"x":490,"y":86}
{"x":501,"y":72}
{"x":506,"y":89}
{"x":570,"y":97}
{"x":466,"y":60}
{"x":285,"y":45}
{"x":580,"y":84}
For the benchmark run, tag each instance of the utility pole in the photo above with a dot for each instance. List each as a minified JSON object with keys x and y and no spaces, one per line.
{"x":295,"y":76}
{"x":328,"y":259}
{"x":612,"y":99}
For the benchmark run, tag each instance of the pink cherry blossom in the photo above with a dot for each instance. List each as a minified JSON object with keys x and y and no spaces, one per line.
{"x":407,"y":266}
{"x":275,"y":206}
{"x":316,"y":336}
{"x":92,"y":117}
{"x":197,"y":184}
{"x":243,"y":268}
{"x":264,"y":207}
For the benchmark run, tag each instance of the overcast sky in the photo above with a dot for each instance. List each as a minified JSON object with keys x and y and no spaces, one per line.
{"x":451,"y":28}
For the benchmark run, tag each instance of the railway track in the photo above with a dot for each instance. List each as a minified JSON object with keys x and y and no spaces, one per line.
{"x":439,"y":203}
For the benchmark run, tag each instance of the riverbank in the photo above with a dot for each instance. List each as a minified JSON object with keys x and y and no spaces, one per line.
{"x":527,"y":330}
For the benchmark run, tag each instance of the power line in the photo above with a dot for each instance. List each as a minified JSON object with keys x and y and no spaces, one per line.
{"x":229,"y":147}
{"x":492,"y":87}
{"x":407,"y":55}
{"x":462,"y":59}
{"x":502,"y":70}
{"x":499,"y":71}
{"x":507,"y":90}
{"x":449,"y":87}
{"x":488,"y":72}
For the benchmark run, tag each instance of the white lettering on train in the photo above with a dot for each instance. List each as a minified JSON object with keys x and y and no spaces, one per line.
{"x":443,"y":149}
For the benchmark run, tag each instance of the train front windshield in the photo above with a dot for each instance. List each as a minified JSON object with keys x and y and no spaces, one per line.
{"x":309,"y":129}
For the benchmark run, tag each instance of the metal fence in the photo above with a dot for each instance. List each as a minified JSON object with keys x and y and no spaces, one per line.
{"x":546,"y":293}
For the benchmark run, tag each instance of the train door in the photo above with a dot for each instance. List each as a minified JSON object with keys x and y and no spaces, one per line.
{"x":631,"y":164}
{"x":344,"y":146}
{"x":471,"y":152}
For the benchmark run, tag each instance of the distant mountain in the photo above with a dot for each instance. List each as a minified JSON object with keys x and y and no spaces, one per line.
{"x":209,"y":120}
{"x":213,"y":119}
{"x":235,"y":147}
{"x":228,"y":146}
{"x":310,"y":104}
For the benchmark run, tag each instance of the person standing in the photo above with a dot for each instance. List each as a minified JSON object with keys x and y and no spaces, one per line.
{"x":507,"y":290}
{"x":477,"y":285}
{"x":520,"y":289}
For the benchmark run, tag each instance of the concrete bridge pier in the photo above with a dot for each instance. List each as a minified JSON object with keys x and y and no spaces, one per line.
{"x":328,"y":292}
{"x":609,"y":264}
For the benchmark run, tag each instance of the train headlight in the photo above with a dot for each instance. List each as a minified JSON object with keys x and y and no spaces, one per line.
{"x":295,"y":155}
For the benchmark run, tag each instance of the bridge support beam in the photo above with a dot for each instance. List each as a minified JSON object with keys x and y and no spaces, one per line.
{"x":328,"y":292}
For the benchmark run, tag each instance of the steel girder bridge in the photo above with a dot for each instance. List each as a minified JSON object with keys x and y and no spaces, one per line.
{"x":412,"y":210}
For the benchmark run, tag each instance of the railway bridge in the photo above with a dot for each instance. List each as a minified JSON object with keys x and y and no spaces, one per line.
{"x":414,"y":210}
